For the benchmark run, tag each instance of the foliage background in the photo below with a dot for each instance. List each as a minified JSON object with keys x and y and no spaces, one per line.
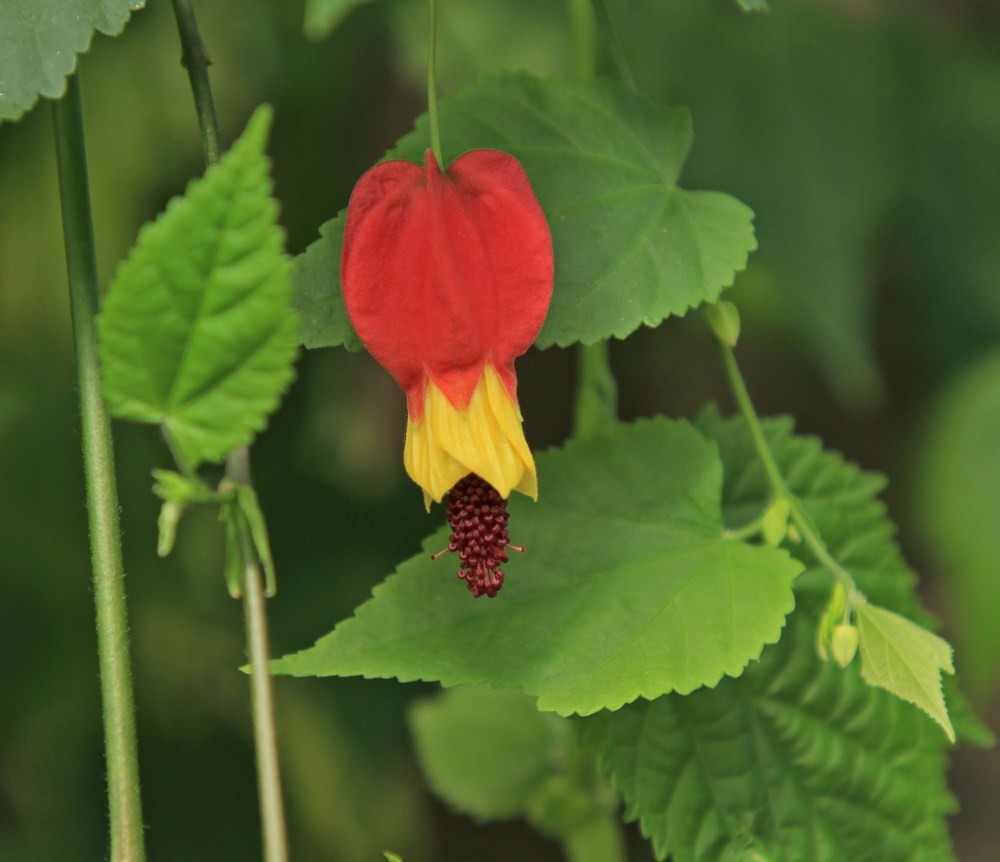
{"x":865,"y":135}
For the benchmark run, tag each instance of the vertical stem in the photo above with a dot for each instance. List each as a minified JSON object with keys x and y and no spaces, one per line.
{"x":124,"y":802}
{"x":195,"y":58}
{"x":432,"y":98}
{"x":596,"y":406}
{"x":272,"y":808}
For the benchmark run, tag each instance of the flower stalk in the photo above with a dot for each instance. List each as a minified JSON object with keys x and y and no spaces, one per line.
{"x":432,"y":99}
{"x":779,"y":489}
{"x":117,"y":698}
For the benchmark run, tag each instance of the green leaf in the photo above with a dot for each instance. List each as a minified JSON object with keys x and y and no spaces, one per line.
{"x":958,"y":497}
{"x":197,"y":333}
{"x":323,"y":16}
{"x":753,"y":5}
{"x":822,"y":174}
{"x":628,"y":588}
{"x":40,"y":43}
{"x":840,"y":499}
{"x":487,"y":751}
{"x":630,"y":246}
{"x":843,"y":503}
{"x":907,"y":660}
{"x":323,"y":320}
{"x":797,"y":760}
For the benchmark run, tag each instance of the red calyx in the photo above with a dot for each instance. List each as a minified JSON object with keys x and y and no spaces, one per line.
{"x":443,"y":272}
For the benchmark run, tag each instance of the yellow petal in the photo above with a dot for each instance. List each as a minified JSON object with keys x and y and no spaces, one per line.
{"x":446,"y":444}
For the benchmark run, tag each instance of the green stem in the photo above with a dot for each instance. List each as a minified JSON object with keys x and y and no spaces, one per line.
{"x":748,"y":530}
{"x":779,"y":488}
{"x":124,"y":801}
{"x":194,"y":58}
{"x":600,"y":840}
{"x":737,"y":384}
{"x":614,"y":43}
{"x":432,"y":98}
{"x":596,"y":407}
{"x":272,"y":810}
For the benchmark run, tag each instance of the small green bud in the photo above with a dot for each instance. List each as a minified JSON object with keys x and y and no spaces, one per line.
{"x":724,"y":319}
{"x":775,"y":526}
{"x":170,"y":515}
{"x":832,"y":617}
{"x":844,"y":644}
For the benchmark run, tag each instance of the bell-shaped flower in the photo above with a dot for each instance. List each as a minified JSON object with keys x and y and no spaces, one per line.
{"x":447,"y":278}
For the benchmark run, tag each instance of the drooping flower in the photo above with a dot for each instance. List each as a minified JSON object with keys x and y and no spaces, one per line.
{"x":447,"y":278}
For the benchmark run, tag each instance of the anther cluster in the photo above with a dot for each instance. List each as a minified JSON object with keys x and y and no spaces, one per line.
{"x":478,"y":516}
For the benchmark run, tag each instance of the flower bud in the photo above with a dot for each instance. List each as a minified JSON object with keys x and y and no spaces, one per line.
{"x":775,"y":525}
{"x":844,"y":644}
{"x":724,"y":319}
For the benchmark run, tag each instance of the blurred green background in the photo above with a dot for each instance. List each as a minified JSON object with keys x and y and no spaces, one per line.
{"x":866,"y":136}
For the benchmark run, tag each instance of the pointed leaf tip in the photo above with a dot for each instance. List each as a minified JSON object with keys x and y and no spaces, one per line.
{"x":905,"y":659}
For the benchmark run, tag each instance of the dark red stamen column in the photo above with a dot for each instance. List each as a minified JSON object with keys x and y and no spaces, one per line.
{"x":478,"y":516}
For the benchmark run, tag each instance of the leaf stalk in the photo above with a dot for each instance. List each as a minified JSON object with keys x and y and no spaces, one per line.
{"x":117,"y":698}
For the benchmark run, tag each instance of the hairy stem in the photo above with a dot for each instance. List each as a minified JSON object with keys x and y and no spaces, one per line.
{"x":432,"y":97}
{"x":124,"y":801}
{"x":779,"y":489}
{"x":272,"y":809}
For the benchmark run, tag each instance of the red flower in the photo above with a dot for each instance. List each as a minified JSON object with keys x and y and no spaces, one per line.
{"x":447,"y":279}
